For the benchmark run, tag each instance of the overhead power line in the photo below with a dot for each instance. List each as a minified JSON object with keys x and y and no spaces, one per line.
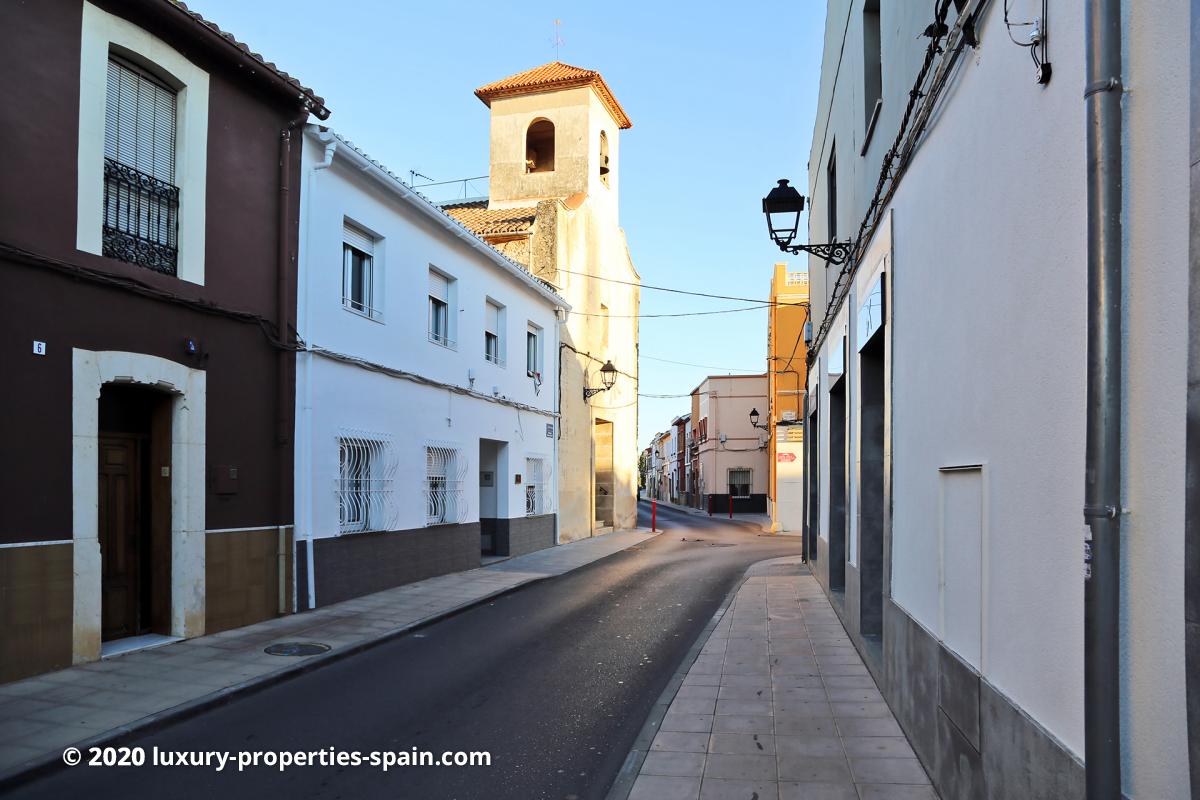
{"x":701,"y":366}
{"x":683,"y":291}
{"x":680,"y":314}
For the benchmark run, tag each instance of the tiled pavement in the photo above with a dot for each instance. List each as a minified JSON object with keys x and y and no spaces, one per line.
{"x":779,"y":706}
{"x":40,"y":716}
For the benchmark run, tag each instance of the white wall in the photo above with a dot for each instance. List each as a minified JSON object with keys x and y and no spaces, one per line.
{"x":1155,"y":293}
{"x":988,"y":285}
{"x":333,"y":396}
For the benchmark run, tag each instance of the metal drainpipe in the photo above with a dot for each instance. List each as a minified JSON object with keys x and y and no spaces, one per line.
{"x":285,"y":396}
{"x":1102,"y":476}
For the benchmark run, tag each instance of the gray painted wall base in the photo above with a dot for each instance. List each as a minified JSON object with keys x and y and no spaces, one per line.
{"x":357,"y":564}
{"x":521,"y":535}
{"x":973,"y":740}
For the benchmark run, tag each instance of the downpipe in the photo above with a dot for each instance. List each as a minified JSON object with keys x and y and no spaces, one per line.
{"x":285,"y":357}
{"x":1102,"y":476}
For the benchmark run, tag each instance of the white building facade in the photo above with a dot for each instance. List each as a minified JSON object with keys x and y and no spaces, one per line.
{"x":946,"y":409}
{"x":422,"y":442}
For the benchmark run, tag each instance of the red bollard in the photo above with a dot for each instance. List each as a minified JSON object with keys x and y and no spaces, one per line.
{"x":653,"y":516}
{"x":731,"y":506}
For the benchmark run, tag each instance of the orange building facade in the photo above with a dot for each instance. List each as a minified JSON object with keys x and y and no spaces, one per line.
{"x":787,"y":354}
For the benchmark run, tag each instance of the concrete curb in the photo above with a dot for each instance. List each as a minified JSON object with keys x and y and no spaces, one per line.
{"x":52,"y":762}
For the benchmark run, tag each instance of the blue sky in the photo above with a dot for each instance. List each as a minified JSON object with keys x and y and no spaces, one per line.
{"x":722,"y":97}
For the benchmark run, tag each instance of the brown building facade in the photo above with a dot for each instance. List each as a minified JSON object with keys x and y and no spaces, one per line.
{"x":147,"y":285}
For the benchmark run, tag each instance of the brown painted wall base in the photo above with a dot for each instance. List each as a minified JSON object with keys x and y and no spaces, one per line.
{"x":351,"y":566}
{"x":36,"y":606}
{"x":241,"y":572}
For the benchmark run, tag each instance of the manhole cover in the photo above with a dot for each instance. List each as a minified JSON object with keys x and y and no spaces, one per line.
{"x":296,"y":649}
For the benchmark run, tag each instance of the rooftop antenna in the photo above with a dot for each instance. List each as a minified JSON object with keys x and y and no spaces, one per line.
{"x":558,"y":41}
{"x":413,"y":175}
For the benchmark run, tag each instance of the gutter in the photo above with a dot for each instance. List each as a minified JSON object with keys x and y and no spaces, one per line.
{"x":1102,"y":465}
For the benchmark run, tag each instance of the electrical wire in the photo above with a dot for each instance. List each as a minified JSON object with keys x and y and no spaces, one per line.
{"x":683,"y":291}
{"x":689,"y":364}
{"x":680,"y":314}
{"x":269,"y":328}
{"x":900,"y":155}
{"x":1010,"y":25}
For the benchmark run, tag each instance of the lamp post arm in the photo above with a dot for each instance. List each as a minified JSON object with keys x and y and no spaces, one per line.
{"x":833,"y":252}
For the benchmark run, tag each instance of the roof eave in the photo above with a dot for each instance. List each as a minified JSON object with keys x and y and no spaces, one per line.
{"x":349,"y":152}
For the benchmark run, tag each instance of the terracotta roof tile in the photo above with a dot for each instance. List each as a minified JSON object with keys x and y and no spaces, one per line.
{"x":490,"y":222}
{"x":314,"y":103}
{"x":550,"y":77}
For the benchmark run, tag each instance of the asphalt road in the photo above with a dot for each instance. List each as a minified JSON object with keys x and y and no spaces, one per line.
{"x":554,"y":680}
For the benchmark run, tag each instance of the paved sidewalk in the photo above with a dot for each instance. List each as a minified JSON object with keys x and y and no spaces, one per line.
{"x":40,"y":716}
{"x":779,"y":706}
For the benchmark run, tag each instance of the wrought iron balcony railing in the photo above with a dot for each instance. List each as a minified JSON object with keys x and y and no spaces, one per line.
{"x":141,"y":218}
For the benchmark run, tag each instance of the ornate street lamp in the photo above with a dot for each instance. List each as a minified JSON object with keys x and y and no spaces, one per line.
{"x":608,"y":377}
{"x":782,"y":207}
{"x":754,"y":420}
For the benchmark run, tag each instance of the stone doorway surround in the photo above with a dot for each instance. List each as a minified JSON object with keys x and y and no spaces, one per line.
{"x":89,"y":372}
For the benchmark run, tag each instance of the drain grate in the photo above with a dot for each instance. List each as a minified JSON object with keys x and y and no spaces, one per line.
{"x":296,"y":649}
{"x":721,"y":544}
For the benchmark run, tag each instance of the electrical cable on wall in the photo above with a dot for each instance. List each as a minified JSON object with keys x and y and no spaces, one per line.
{"x":899,"y":155}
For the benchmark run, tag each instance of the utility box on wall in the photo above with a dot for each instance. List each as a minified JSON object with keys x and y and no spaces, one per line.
{"x":223,"y":479}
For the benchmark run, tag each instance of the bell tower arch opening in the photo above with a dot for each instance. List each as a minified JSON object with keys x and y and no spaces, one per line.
{"x":603,"y":160}
{"x":539,"y":146}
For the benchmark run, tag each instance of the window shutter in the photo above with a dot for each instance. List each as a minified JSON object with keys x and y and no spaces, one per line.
{"x":439,"y":287}
{"x":139,"y":129}
{"x":492,"y":319}
{"x":358,"y":239}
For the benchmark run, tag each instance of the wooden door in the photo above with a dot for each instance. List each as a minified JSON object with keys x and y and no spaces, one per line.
{"x":120,"y":524}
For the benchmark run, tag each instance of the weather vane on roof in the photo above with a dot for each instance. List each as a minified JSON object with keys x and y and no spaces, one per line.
{"x":558,"y":42}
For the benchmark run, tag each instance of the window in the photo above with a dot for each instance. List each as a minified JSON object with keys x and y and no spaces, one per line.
{"x":141,"y":200}
{"x":539,"y":146}
{"x":535,"y":489}
{"x":358,"y":272}
{"x":740,"y":480}
{"x":604,"y":157}
{"x":493,"y":328}
{"x":872,"y":70}
{"x":364,"y":486}
{"x":831,"y":195}
{"x":533,"y":351}
{"x":439,"y":309}
{"x":444,"y":471}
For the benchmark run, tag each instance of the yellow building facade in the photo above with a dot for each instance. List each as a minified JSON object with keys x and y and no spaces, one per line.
{"x":553,"y":207}
{"x":787,"y":354}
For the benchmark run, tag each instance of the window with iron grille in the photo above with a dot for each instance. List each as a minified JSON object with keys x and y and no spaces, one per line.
{"x":535,"y":487}
{"x":359,"y":292}
{"x":445,"y":471}
{"x":366,"y":472}
{"x":141,"y":200}
{"x":740,"y":481}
